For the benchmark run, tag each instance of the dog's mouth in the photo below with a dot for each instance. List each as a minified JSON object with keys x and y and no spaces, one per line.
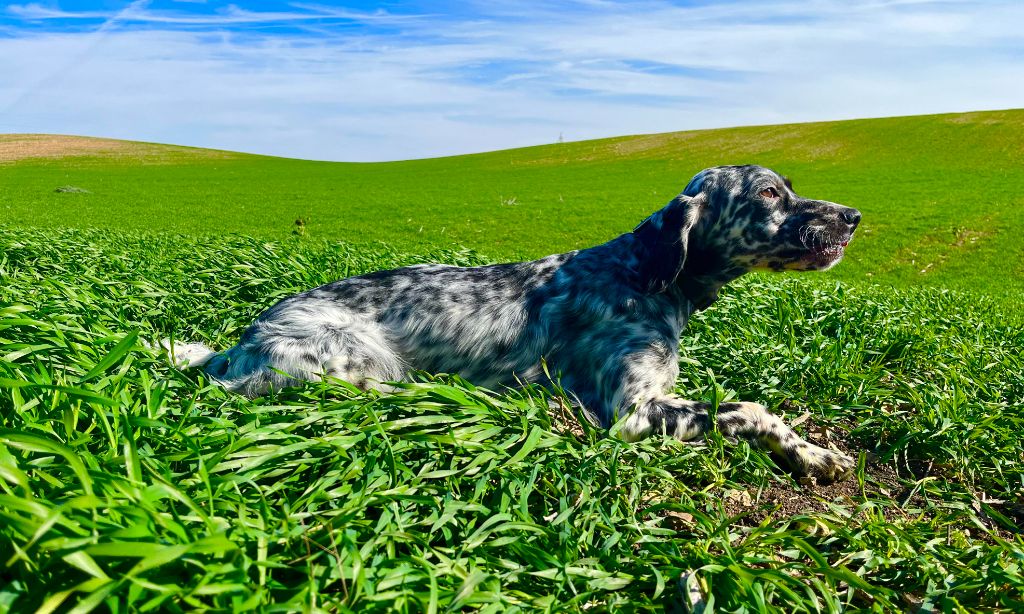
{"x":823,"y":249}
{"x":827,"y":255}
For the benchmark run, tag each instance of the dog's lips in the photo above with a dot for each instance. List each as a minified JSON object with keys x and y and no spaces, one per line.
{"x":826,"y":255}
{"x":825,"y":251}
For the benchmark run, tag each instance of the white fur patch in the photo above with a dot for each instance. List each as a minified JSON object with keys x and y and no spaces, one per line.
{"x":187,"y":355}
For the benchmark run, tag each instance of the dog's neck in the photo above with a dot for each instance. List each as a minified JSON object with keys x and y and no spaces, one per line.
{"x":705,"y":273}
{"x":700,"y":294}
{"x":705,"y":270}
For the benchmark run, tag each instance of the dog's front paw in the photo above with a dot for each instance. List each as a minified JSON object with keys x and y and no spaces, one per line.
{"x":826,"y":466}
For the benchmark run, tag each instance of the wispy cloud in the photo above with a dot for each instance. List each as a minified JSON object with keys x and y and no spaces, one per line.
{"x":227,"y":16}
{"x":351,"y":83}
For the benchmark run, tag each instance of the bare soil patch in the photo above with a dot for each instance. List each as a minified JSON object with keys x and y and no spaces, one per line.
{"x":783,"y":501}
{"x":17,"y":147}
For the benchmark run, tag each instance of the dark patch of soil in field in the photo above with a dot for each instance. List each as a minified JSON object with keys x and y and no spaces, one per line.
{"x":884,"y":482}
{"x":782,"y":500}
{"x":881,"y":482}
{"x":755,"y":505}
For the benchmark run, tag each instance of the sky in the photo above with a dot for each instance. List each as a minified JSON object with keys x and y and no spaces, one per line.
{"x":364,"y":81}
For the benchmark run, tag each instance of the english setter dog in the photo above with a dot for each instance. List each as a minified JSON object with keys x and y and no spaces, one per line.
{"x":606,"y":320}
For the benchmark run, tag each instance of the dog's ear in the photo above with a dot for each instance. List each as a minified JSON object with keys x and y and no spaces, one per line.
{"x":666,"y":237}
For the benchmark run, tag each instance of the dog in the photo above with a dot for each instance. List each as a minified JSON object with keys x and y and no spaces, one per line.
{"x":606,"y":320}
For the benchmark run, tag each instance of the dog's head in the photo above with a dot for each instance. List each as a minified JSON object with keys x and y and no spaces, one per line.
{"x":734,"y":219}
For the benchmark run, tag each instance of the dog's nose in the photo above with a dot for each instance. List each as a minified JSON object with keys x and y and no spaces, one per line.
{"x":851,"y":216}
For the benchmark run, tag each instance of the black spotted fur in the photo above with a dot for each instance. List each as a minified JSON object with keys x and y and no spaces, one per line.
{"x":606,"y":320}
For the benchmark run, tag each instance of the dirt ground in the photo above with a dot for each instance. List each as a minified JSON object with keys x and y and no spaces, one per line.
{"x":16,"y":147}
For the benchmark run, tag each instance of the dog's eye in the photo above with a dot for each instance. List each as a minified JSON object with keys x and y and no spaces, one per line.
{"x":769,"y":193}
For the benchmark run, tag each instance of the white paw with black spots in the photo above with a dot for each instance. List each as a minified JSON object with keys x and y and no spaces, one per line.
{"x":825,"y":465}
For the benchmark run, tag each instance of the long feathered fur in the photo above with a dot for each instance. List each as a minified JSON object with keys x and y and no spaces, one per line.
{"x":605,"y":320}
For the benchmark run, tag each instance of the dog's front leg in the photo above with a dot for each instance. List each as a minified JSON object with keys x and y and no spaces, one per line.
{"x":687,"y":420}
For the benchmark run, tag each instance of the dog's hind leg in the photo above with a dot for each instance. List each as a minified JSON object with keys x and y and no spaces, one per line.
{"x":363,"y":357}
{"x":270,"y":358}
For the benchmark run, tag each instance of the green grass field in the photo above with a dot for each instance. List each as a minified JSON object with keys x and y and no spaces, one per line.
{"x":941,"y":195}
{"x":129,"y":486}
{"x":124,"y":481}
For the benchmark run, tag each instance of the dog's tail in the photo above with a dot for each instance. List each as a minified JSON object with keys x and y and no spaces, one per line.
{"x":247,"y":377}
{"x":188,"y":355}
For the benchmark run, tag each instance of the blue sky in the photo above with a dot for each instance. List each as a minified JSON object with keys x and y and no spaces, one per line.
{"x":369,"y":81}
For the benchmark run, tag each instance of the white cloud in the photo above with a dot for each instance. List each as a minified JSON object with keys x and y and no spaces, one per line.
{"x":437,"y":87}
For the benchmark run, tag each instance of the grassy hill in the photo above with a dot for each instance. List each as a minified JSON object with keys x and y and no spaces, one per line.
{"x":128,"y":485}
{"x":941,"y":194}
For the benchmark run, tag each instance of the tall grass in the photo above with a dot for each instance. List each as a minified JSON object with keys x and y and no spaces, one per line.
{"x":126,"y":485}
